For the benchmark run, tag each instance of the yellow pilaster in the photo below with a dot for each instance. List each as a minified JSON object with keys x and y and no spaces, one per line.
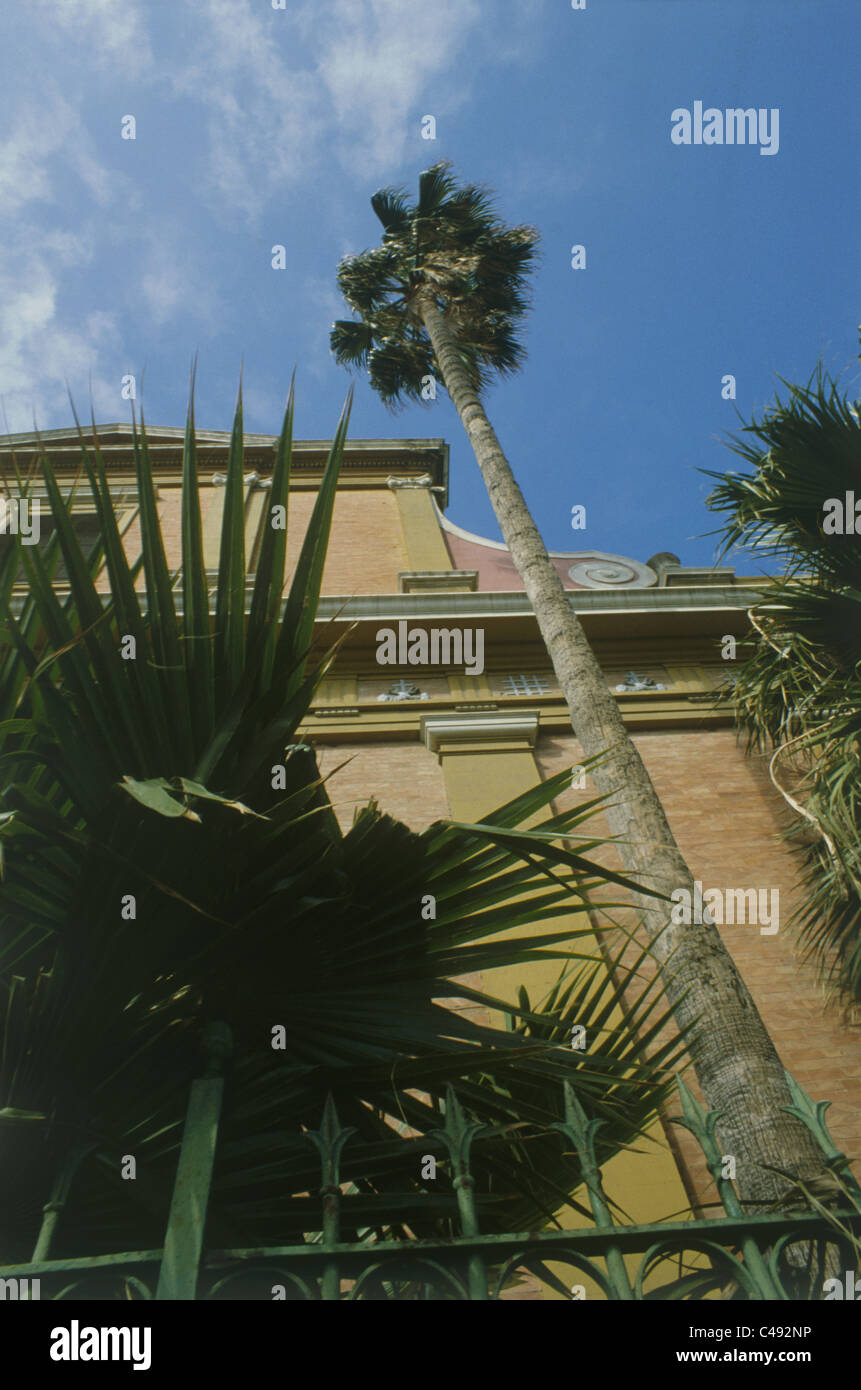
{"x":212,"y":527}
{"x":423,"y":542}
{"x":468,"y":687}
{"x":255,"y":501}
{"x":337,"y":690}
{"x":487,"y":760}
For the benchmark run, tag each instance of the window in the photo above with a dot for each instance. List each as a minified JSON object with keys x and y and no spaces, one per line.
{"x":525,"y":685}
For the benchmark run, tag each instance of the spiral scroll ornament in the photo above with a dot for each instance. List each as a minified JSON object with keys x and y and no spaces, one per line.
{"x":610,"y":574}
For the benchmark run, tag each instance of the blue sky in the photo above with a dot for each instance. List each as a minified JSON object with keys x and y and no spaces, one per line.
{"x":257,"y":126}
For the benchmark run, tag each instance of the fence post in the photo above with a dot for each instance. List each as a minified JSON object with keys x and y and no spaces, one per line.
{"x":183,"y":1240}
{"x":581,"y":1133}
{"x":329,"y":1140}
{"x":457,"y":1138}
{"x":813,"y":1116}
{"x":702,"y":1125}
{"x":60,"y":1191}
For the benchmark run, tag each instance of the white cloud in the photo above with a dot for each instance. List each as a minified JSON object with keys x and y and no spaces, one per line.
{"x":23,"y":174}
{"x":39,"y":350}
{"x":343,"y":83}
{"x":66,"y":248}
{"x":332,"y":86}
{"x":163,"y":293}
{"x":383,"y":59}
{"x":39,"y":354}
{"x":169,"y":281}
{"x":346,"y":82}
{"x":264,"y":114}
{"x":46,"y":134}
{"x":113,"y":31}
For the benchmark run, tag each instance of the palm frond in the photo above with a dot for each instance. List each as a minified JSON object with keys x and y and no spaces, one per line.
{"x":156,"y":879}
{"x":799,"y":691}
{"x":452,"y":241}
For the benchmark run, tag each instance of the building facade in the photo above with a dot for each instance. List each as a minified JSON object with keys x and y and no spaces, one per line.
{"x":442,"y":703}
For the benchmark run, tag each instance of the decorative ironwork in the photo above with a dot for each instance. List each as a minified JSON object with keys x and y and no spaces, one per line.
{"x":633,"y":681}
{"x":425,"y":481}
{"x":525,"y":685}
{"x":220,"y":479}
{"x":403,"y":690}
{"x":747,"y":1257}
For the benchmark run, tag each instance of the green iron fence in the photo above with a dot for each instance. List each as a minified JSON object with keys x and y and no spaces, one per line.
{"x":783,"y":1255}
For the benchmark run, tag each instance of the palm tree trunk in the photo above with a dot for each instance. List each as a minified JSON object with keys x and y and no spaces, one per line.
{"x":735,"y":1059}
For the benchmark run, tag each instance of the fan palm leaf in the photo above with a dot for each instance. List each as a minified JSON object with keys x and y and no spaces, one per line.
{"x":172,"y":859}
{"x":799,"y":692}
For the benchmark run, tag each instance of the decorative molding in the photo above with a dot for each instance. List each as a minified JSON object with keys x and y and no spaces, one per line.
{"x":424,"y":481}
{"x":520,"y":729}
{"x":632,"y":571}
{"x":611,"y":572}
{"x":402,"y":690}
{"x":685,"y":575}
{"x":248,"y":480}
{"x":486,"y":604}
{"x":634,"y":682}
{"x":437,"y":581}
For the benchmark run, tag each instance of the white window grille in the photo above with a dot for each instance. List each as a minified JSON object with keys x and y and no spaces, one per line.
{"x":525,"y":685}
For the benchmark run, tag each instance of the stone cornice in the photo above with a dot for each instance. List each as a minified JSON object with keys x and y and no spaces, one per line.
{"x":710,"y":601}
{"x":121,"y":434}
{"x":461,"y":732}
{"x":378,"y":607}
{"x":309,"y":455}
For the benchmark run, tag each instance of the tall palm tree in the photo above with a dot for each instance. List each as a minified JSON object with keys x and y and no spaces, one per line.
{"x":800,"y":691}
{"x":442,"y":297}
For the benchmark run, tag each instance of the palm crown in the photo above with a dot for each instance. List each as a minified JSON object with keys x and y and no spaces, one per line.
{"x":449,"y":246}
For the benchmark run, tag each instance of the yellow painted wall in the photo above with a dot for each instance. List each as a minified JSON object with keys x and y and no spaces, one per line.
{"x":646,"y":1184}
